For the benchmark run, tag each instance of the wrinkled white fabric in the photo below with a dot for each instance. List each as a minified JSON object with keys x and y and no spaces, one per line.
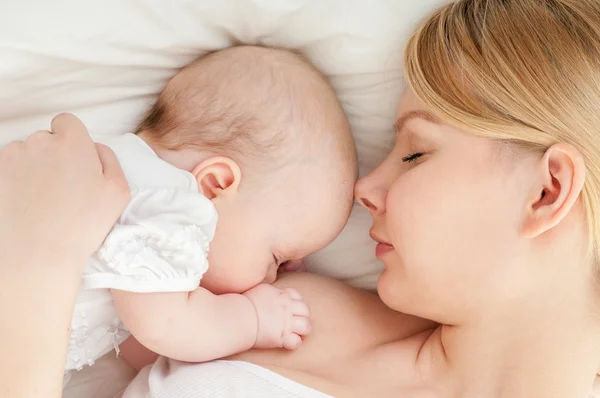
{"x":168,"y":378}
{"x":107,"y":61}
{"x":159,"y":244}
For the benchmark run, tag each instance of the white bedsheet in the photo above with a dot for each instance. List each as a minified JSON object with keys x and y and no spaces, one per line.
{"x":106,"y":60}
{"x":108,"y":378}
{"x":226,"y":379}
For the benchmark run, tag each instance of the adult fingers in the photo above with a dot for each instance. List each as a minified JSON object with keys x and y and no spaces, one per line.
{"x":111,"y":168}
{"x":39,"y":137}
{"x":68,"y":125}
{"x":39,"y":133}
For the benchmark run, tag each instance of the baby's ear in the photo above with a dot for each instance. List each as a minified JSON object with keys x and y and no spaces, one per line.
{"x":559,"y":182}
{"x":217,"y":176}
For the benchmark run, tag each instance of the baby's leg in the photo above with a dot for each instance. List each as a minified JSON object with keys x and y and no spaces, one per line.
{"x":136,"y":355}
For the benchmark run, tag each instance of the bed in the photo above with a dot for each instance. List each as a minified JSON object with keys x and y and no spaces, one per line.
{"x":106,"y":61}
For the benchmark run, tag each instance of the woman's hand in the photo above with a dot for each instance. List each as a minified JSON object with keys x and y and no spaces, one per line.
{"x":59,"y":196}
{"x":59,"y":192}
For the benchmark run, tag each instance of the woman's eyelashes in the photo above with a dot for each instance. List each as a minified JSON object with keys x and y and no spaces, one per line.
{"x":412,"y":157}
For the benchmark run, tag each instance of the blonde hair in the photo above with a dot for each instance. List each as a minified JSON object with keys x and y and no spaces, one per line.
{"x":522,"y":71}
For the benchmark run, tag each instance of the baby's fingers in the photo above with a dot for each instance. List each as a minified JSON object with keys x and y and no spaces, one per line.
{"x":301,"y":325}
{"x":291,"y":341}
{"x":293,"y":293}
{"x":299,"y":308}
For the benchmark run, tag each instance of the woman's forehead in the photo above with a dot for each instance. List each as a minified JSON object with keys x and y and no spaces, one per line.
{"x":409,"y":102}
{"x":411,"y":108}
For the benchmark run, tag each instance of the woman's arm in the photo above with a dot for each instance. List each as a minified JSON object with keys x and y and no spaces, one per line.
{"x":36,"y":304}
{"x":59,"y":196}
{"x":345,"y":321}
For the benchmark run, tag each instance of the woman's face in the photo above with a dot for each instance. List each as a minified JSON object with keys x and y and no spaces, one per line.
{"x":446,"y":210}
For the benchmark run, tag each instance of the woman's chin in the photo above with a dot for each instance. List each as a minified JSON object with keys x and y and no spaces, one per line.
{"x":390,"y":288}
{"x":395,"y":291}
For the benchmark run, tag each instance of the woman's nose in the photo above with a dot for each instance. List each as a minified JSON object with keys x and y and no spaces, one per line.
{"x":370,"y":195}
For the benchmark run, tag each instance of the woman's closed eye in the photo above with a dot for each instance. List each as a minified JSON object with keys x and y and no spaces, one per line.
{"x":412,"y":157}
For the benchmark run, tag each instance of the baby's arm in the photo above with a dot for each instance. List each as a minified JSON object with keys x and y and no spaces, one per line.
{"x":194,"y":327}
{"x":200,"y":326}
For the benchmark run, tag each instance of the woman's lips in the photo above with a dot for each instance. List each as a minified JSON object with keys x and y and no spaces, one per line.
{"x":382,"y":246}
{"x":382,"y":249}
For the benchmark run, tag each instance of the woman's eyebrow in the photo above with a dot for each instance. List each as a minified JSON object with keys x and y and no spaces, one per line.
{"x":401,"y":121}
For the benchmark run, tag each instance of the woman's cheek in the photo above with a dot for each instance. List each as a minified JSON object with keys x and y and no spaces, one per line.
{"x":403,"y":209}
{"x":417,"y":223}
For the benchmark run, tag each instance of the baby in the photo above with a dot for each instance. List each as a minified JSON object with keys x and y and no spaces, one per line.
{"x":257,"y":137}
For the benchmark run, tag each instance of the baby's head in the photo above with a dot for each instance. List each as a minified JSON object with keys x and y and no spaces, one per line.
{"x":268,"y":142}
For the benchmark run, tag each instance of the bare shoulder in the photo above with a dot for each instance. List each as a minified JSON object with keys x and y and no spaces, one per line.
{"x":345,"y":321}
{"x":353,"y":335}
{"x":338,"y":307}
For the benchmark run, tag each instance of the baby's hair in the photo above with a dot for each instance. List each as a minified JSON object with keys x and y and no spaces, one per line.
{"x":245,"y":102}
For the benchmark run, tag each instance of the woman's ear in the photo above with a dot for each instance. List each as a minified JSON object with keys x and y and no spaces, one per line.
{"x":561,"y":174}
{"x":217,"y":177}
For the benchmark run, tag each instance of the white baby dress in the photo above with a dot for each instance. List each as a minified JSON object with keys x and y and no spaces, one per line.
{"x":159,"y":244}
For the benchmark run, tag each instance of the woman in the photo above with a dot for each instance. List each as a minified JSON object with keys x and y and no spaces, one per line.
{"x":487,"y":217}
{"x":52,"y":177}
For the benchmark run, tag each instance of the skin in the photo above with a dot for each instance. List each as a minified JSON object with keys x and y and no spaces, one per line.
{"x":264,"y":223}
{"x":285,"y":203}
{"x":269,"y":222}
{"x":81,"y":183}
{"x":489,"y":243}
{"x":276,"y":206}
{"x":522,"y":277}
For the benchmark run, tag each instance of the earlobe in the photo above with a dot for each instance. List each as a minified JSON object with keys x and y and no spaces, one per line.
{"x":561,"y":178}
{"x":217,"y":176}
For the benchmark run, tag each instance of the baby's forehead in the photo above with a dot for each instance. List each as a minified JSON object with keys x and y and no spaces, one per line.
{"x":314,"y":191}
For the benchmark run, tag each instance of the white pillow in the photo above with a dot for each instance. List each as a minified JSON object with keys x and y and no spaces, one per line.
{"x":106,"y":61}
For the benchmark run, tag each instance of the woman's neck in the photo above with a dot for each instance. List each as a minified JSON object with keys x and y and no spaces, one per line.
{"x":545,"y":348}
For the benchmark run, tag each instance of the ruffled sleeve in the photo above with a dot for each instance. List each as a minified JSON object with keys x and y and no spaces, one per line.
{"x":160,"y":243}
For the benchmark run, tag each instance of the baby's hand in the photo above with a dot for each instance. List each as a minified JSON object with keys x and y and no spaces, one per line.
{"x":282,"y":317}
